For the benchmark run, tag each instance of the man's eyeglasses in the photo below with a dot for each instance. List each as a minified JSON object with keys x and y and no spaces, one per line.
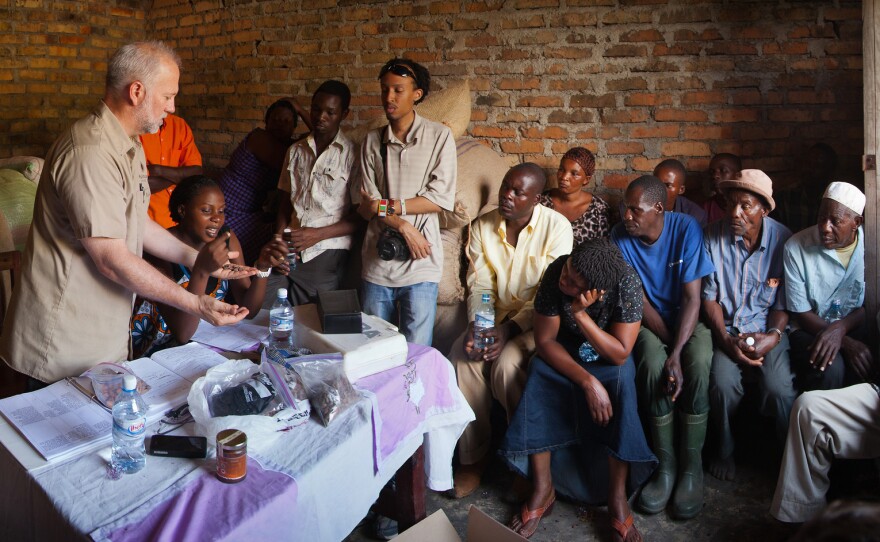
{"x":401,"y":70}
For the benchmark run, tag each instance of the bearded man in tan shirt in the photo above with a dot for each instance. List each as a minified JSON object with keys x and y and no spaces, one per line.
{"x":82,"y":264}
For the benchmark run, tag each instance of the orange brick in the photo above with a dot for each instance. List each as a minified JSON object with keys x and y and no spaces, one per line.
{"x":523,"y":146}
{"x":685,"y":148}
{"x":642,"y":35}
{"x":645,"y":165}
{"x":550,"y":132}
{"x":624,"y":115}
{"x":683,"y":115}
{"x":540,"y":101}
{"x":616,"y":180}
{"x":493,"y":131}
{"x":708,"y":132}
{"x":658,"y":131}
{"x":736,"y":115}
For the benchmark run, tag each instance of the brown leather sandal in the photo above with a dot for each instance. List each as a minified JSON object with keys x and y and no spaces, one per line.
{"x":527,"y":515}
{"x":624,"y":527}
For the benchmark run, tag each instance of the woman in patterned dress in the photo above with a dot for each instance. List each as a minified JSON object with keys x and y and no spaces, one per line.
{"x":251,"y":176}
{"x":587,"y":212}
{"x":198,"y":206}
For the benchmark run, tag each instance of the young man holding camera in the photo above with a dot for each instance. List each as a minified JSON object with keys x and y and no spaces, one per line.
{"x":408,"y":172}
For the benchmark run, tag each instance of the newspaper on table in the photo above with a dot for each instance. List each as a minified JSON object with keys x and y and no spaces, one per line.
{"x":63,"y":420}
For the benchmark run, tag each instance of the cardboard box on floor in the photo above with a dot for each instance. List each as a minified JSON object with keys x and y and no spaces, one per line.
{"x":437,"y":528}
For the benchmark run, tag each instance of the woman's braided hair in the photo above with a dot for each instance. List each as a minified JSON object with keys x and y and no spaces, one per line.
{"x":600,"y":263}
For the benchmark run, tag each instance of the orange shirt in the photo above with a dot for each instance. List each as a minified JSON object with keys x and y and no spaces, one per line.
{"x":173,"y":145}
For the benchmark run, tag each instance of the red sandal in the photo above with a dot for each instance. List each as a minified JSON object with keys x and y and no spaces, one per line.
{"x":527,"y":515}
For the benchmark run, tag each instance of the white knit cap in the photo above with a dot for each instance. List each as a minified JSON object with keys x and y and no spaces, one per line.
{"x":846,"y":194}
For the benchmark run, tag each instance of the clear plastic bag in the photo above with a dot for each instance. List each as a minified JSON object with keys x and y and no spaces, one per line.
{"x":262,"y":430}
{"x":245,"y":394}
{"x":106,"y":379}
{"x":326,"y":383}
{"x":288,"y":383}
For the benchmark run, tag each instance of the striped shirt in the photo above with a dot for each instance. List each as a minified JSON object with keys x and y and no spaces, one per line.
{"x":424,"y":165}
{"x":746,"y":285}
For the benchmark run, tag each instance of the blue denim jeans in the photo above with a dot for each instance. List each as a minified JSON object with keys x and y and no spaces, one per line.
{"x":417,"y":304}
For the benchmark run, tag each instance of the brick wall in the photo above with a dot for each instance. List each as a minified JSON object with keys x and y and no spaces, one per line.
{"x":53,"y":59}
{"x":636,"y":81}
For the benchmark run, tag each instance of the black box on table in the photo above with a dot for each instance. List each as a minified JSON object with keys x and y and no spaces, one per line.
{"x":340,"y":311}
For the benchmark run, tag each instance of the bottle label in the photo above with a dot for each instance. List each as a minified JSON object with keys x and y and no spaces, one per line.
{"x":280,"y":323}
{"x":482,"y":320}
{"x":132,"y":428}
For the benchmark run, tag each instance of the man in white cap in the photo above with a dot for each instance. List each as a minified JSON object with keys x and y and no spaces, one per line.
{"x":825,"y":293}
{"x":744,"y":306}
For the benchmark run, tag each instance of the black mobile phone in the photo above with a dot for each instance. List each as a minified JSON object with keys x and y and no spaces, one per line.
{"x":178,"y":446}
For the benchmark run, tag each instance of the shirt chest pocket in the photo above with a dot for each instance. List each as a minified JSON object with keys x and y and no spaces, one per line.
{"x":763,"y":294}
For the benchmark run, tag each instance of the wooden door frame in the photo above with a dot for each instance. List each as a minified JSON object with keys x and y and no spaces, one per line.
{"x":871,"y":81}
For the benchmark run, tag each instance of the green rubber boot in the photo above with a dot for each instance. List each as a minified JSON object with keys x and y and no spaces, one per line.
{"x":655,"y":494}
{"x":688,"y":498}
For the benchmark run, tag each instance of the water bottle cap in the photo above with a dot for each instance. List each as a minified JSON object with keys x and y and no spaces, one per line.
{"x":129,"y":382}
{"x":486,"y":298}
{"x":282,"y":292}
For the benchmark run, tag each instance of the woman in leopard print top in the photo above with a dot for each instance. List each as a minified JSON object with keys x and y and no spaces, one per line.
{"x":587,"y":212}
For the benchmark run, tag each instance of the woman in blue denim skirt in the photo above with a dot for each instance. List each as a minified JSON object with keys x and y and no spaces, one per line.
{"x":577,"y":429}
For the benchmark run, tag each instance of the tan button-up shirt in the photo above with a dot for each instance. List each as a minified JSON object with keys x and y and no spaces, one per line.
{"x":65,"y":316}
{"x":318,"y":187}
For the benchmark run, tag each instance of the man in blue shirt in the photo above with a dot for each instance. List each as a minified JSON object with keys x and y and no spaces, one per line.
{"x":744,"y":306}
{"x":673,"y":175}
{"x":825,"y":264}
{"x":673,"y":350}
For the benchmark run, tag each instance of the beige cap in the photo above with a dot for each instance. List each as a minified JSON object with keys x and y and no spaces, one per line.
{"x":753,"y":180}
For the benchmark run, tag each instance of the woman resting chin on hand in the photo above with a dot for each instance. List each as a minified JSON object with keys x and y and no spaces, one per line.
{"x":577,"y":422}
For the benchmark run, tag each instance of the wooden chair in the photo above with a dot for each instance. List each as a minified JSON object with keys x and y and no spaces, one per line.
{"x":11,"y":382}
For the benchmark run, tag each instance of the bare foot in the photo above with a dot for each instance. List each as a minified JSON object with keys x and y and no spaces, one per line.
{"x":723,"y":468}
{"x":622,"y":528}
{"x":540,"y":504}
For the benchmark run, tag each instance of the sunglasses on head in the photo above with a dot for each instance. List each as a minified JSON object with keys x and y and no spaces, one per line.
{"x":401,"y":70}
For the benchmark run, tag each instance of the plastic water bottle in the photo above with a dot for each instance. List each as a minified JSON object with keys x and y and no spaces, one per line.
{"x":291,"y":254}
{"x":484,"y":321}
{"x":129,"y":429}
{"x":834,"y":313}
{"x":587,"y":353}
{"x":281,"y":322}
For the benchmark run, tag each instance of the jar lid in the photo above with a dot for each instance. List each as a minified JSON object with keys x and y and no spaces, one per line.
{"x":231,"y":439}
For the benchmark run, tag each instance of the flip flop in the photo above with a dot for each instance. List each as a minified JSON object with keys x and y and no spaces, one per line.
{"x":527,"y":515}
{"x":623,"y":527}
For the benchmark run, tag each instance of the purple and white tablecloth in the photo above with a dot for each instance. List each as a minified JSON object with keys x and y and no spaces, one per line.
{"x":314,"y":484}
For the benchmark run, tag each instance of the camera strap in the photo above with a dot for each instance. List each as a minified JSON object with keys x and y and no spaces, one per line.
{"x":383,"y":148}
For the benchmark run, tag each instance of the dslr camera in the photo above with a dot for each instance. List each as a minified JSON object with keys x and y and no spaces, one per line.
{"x":392,"y":246}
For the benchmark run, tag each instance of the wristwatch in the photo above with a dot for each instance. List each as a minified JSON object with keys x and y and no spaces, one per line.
{"x":777,"y":331}
{"x":264,"y":274}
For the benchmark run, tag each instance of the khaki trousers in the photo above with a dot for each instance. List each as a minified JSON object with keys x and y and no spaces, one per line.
{"x":504,"y":379}
{"x":824,"y":425}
